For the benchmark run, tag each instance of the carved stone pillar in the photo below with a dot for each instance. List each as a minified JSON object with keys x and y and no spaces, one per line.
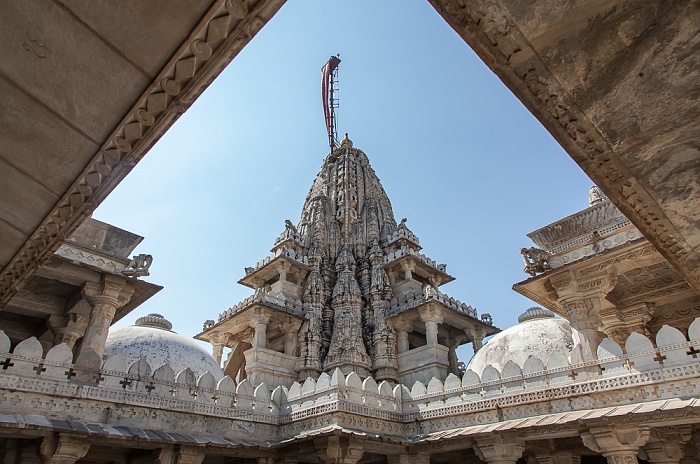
{"x":582,"y":303}
{"x":476,"y":336}
{"x":666,"y":445}
{"x":619,"y":445}
{"x":283,"y":269}
{"x":499,"y":449}
{"x":452,"y":345}
{"x":408,"y":267}
{"x":618,"y":323}
{"x":112,"y":293}
{"x":339,"y":450}
{"x":68,"y":329}
{"x":63,"y":449}
{"x":217,"y":351}
{"x":431,"y":316}
{"x":415,"y":458}
{"x":180,"y":455}
{"x":403,"y":328}
{"x":558,"y":457}
{"x":258,"y":322}
{"x":583,"y":327}
{"x":291,"y":339}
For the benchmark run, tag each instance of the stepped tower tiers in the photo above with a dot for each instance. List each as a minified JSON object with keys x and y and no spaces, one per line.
{"x":347,"y":287}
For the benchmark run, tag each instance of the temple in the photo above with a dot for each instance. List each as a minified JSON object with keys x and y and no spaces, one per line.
{"x":346,"y":288}
{"x":344,"y":353}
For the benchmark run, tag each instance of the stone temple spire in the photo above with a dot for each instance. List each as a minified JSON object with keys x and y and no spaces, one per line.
{"x":346,"y":288}
{"x":345,"y":213}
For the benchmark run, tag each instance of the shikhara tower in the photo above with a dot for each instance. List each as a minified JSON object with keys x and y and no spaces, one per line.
{"x":347,"y":288}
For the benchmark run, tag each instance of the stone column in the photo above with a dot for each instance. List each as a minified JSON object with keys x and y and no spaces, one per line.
{"x":582,"y":303}
{"x":583,"y":327}
{"x":291,"y":335}
{"x":170,"y":454}
{"x":558,"y":457}
{"x":408,"y":267}
{"x":217,"y":351}
{"x":258,"y":322}
{"x":619,"y":445}
{"x":339,"y":450}
{"x":431,"y":316}
{"x":476,"y":336}
{"x":68,"y":329}
{"x":666,"y":444}
{"x":499,"y":449}
{"x":112,"y":293}
{"x":452,"y":344}
{"x":415,"y":458}
{"x":403,"y":328}
{"x":63,"y":449}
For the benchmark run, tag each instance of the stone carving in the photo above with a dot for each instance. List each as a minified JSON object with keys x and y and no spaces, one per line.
{"x":34,"y":45}
{"x":595,"y":196}
{"x":138,"y":266}
{"x":536,"y":260}
{"x":336,"y":259}
{"x":289,"y":226}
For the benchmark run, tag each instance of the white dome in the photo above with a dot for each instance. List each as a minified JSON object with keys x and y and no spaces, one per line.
{"x":538,"y":334}
{"x":152,"y":339}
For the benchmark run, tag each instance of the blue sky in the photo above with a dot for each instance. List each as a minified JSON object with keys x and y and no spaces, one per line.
{"x":457,"y":153}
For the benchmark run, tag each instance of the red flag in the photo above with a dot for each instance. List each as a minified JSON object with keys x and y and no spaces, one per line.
{"x":326,"y":90}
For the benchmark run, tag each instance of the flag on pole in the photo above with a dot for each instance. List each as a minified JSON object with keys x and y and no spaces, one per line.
{"x":326,"y":89}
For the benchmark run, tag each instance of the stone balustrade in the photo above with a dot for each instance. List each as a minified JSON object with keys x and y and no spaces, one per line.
{"x":275,"y":300}
{"x":401,"y":233}
{"x":407,"y":251}
{"x":289,"y":234}
{"x":26,"y":369}
{"x":283,"y":251}
{"x":412,"y":298}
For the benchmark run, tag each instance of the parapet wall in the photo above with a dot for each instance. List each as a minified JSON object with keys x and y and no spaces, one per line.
{"x":492,"y":395}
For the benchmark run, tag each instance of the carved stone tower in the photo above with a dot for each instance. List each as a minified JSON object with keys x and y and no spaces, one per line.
{"x":345,"y":288}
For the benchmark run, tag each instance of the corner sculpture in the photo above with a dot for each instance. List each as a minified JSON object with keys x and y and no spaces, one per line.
{"x":536,"y":260}
{"x":138,"y":266}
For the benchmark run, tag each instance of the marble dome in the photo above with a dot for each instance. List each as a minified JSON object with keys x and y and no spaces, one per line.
{"x":152,"y":338}
{"x":538,"y":333}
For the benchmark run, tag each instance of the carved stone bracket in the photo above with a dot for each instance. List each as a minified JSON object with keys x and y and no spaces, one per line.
{"x":339,"y":450}
{"x":499,"y":449}
{"x":620,"y":445}
{"x":63,"y":449}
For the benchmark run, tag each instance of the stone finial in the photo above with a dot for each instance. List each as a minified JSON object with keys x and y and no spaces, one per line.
{"x":535,"y":313}
{"x":595,"y":196}
{"x":346,"y":142}
{"x":156,"y":321}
